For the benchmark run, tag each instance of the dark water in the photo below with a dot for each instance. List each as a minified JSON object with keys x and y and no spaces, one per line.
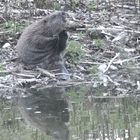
{"x":69,"y":114}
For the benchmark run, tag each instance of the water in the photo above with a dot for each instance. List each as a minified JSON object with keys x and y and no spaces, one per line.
{"x":73,"y":113}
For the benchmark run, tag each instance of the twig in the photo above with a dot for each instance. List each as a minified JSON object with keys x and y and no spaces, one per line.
{"x":5,"y":72}
{"x":109,"y":97}
{"x":126,"y":6}
{"x":91,"y":63}
{"x":126,"y":60}
{"x":71,"y":83}
{"x":62,"y":74}
{"x":47,"y":73}
{"x":114,"y":29}
{"x":115,"y":83}
{"x":111,"y":61}
{"x":24,"y":75}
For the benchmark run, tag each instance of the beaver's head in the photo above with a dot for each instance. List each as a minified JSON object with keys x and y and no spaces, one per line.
{"x":55,"y":23}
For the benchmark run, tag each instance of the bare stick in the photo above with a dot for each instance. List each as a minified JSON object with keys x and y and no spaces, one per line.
{"x":111,"y":61}
{"x":46,"y":72}
{"x":114,"y":29}
{"x":126,"y":60}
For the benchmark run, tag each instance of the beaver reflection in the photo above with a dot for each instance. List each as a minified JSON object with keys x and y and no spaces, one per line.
{"x":47,"y":110}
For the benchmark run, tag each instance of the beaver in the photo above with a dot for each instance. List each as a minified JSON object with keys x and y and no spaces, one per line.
{"x":43,"y":42}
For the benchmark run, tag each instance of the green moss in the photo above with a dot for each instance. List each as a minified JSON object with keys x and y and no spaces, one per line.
{"x":93,"y":70}
{"x":56,"y":6}
{"x":99,"y":42}
{"x":11,"y":26}
{"x":74,"y":51}
{"x":48,"y":4}
{"x":92,"y":6}
{"x":1,"y":67}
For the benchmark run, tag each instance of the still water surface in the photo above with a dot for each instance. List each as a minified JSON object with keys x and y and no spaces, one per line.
{"x":74,"y":113}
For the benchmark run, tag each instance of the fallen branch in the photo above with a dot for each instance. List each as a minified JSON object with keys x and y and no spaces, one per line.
{"x":111,"y":61}
{"x":46,"y":72}
{"x":5,"y":72}
{"x":126,"y":60}
{"x":24,"y":75}
{"x":114,"y":29}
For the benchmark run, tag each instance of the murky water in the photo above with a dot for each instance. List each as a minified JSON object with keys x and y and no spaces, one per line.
{"x":69,"y":114}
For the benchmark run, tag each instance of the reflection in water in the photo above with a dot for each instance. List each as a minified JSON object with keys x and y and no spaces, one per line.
{"x":89,"y":117}
{"x":106,"y":119}
{"x":47,"y":110}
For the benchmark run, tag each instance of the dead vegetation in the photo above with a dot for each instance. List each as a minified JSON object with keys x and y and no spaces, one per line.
{"x":103,"y":47}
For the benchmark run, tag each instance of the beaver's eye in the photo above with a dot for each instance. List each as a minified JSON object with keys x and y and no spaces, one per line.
{"x":45,"y":21}
{"x":63,"y":13}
